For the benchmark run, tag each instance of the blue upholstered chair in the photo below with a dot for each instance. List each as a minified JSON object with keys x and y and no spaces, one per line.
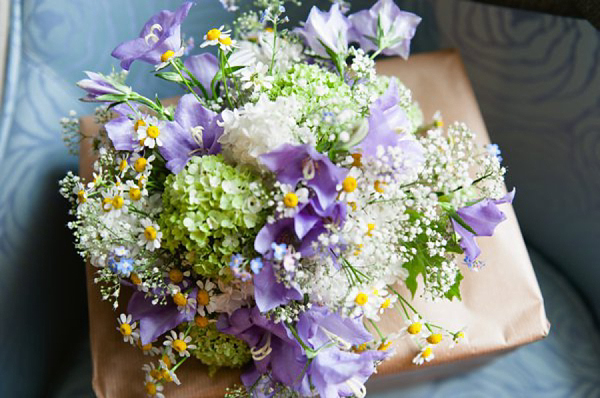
{"x":538,"y":83}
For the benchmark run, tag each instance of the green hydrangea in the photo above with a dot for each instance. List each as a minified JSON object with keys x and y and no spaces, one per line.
{"x":217,"y":349}
{"x":213,"y":210}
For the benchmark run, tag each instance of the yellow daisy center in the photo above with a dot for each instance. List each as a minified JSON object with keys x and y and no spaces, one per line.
{"x":140,"y":164}
{"x":201,"y":321}
{"x":434,"y":338}
{"x":179,"y":299}
{"x":135,"y":279}
{"x":386,"y":304}
{"x":150,"y":388}
{"x":213,"y":34}
{"x":150,"y":233}
{"x":125,"y":329}
{"x":107,"y":204}
{"x":166,"y":375}
{"x":290,"y":199}
{"x":139,"y":123}
{"x":203,"y":297}
{"x":175,"y":275}
{"x":415,"y":328}
{"x":460,"y":335}
{"x":352,"y":205}
{"x":153,"y":132}
{"x":226,"y":41}
{"x":361,"y":299}
{"x":360,"y":348}
{"x":269,"y":29}
{"x":370,"y":228}
{"x":349,"y":184}
{"x":379,"y":186}
{"x":81,"y":196}
{"x":167,"y":361}
{"x":135,"y":193}
{"x":118,"y":202}
{"x":179,"y":345}
{"x":147,"y":347}
{"x":167,"y":55}
{"x":427,"y":352}
{"x":384,"y":346}
{"x":156,"y":374}
{"x":123,"y":165}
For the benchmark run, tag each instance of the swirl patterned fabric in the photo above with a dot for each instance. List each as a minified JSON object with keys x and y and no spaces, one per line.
{"x":539,"y":89}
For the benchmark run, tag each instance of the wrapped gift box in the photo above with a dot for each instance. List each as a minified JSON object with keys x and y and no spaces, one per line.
{"x":502,"y":305}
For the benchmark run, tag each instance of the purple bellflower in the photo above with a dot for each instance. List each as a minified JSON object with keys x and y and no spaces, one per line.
{"x":121,"y":130}
{"x":194,"y":132}
{"x":98,"y":85}
{"x":269,"y":292}
{"x":156,"y":319}
{"x":160,"y":34}
{"x":482,"y":217}
{"x":292,"y":163}
{"x":204,"y":67}
{"x":274,"y":350}
{"x":326,"y":32}
{"x":384,"y":26}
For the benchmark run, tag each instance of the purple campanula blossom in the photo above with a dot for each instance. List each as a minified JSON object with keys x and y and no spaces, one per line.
{"x":121,"y":130}
{"x":160,"y":34}
{"x":396,"y":28}
{"x":292,"y":163}
{"x":386,"y":122}
{"x":156,"y":319}
{"x":336,"y":371}
{"x":482,"y":217}
{"x":326,"y":31}
{"x":97,"y":85}
{"x":193,"y":133}
{"x":204,"y":67}
{"x":269,"y":292}
{"x":275,"y":350}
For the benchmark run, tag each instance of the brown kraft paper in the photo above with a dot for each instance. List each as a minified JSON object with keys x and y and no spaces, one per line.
{"x":502,"y":306}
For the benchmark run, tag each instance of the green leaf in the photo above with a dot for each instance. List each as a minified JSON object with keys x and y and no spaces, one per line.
{"x":170,"y":76}
{"x":415,"y":267}
{"x":455,"y":289}
{"x":112,"y":97}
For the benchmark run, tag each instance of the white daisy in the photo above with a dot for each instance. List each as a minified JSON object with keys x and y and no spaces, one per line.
{"x":214,"y":36}
{"x":142,"y":165}
{"x":180,"y":344}
{"x":185,"y":304}
{"x":134,"y":191}
{"x":425,"y":355}
{"x":290,"y":199}
{"x":256,"y":77}
{"x":148,"y":349}
{"x":414,"y":327}
{"x":127,"y":329}
{"x":81,"y":192}
{"x":152,"y":372}
{"x":149,"y":134}
{"x":206,"y":297}
{"x":153,"y":389}
{"x":150,"y":235}
{"x":168,"y":373}
{"x":167,"y":57}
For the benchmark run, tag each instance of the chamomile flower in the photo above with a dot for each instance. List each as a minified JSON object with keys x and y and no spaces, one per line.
{"x":152,"y":388}
{"x":135,"y":192}
{"x":142,"y":165}
{"x":152,"y":372}
{"x":457,"y":338}
{"x":414,"y":326}
{"x":185,"y":304}
{"x":148,"y":349}
{"x":80,"y":191}
{"x":122,"y":164}
{"x":168,"y":374}
{"x":179,"y":343}
{"x":149,"y":134}
{"x":168,"y":56}
{"x":290,"y":199}
{"x":206,"y":297}
{"x":150,"y":235}
{"x":350,"y":185}
{"x":425,"y":355}
{"x":127,"y":329}
{"x":227,"y":44}
{"x":215,"y":36}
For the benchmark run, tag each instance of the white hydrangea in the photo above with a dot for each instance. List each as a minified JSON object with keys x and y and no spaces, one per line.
{"x":256,"y":129}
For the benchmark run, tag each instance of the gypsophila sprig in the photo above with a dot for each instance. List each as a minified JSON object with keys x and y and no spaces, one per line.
{"x":272,"y":217}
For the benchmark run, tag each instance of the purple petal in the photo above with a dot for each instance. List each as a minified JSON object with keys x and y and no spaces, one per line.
{"x":269,"y":293}
{"x":121,"y":133}
{"x":204,"y":67}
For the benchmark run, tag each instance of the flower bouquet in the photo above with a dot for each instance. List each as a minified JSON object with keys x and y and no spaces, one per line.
{"x":288,"y":200}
